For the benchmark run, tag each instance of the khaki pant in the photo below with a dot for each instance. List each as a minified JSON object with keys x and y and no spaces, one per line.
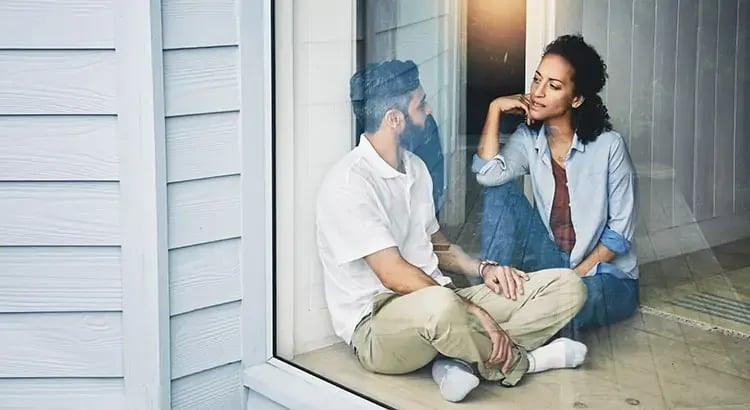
{"x":405,"y":333}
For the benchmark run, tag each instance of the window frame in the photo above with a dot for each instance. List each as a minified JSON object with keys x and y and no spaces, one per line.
{"x":266,"y":77}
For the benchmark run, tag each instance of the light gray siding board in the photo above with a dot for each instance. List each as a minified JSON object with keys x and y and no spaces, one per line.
{"x":258,"y":401}
{"x":255,"y":145}
{"x":204,"y":275}
{"x":419,"y":41}
{"x":38,"y":148}
{"x":203,"y":211}
{"x":205,"y":339}
{"x":684,"y":131}
{"x":46,"y":24}
{"x":665,"y":42}
{"x":415,"y":11}
{"x":59,"y":213}
{"x":201,"y":80}
{"x":620,"y":23}
{"x":201,"y":146}
{"x":642,"y":101}
{"x":198,"y":23}
{"x":569,"y":17}
{"x":705,"y":114}
{"x":57,"y":82}
{"x":382,"y":15}
{"x":218,"y":388}
{"x":595,"y":29}
{"x":62,"y":394}
{"x":60,"y":279}
{"x":725,"y":85}
{"x":61,"y":345}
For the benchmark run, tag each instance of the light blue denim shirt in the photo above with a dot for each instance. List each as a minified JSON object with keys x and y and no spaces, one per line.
{"x":601,"y":184}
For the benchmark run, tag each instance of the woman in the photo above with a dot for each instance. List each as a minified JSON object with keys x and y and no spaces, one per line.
{"x":583,"y":182}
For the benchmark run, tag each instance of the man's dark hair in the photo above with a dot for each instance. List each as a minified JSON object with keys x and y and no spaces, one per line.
{"x":379,"y":87}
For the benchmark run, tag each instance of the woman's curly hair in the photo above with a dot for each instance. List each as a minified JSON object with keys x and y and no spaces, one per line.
{"x":590,"y":74}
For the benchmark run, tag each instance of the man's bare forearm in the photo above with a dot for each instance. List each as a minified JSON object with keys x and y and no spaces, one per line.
{"x":396,"y":273}
{"x":413,"y":280}
{"x":452,"y":257}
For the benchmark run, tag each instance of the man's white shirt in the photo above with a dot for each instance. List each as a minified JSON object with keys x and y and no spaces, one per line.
{"x":364,"y":205}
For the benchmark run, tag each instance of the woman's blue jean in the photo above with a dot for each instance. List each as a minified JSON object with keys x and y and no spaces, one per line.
{"x":513,"y":234}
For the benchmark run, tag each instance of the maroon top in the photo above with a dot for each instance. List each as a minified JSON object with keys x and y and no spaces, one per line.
{"x":560,"y":221}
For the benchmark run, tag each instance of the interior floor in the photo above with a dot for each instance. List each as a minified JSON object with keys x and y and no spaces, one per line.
{"x":646,"y":362}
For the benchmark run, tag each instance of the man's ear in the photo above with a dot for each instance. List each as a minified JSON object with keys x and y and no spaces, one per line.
{"x":393,"y":118}
{"x":578,"y":101}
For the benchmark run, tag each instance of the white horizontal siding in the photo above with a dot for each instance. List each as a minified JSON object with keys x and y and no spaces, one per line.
{"x":201,"y":146}
{"x":59,"y":213}
{"x":201,"y":92}
{"x":204,"y":275}
{"x":205,"y":339}
{"x":37,"y":148}
{"x":201,"y":80}
{"x":62,"y":394}
{"x":57,"y":82}
{"x":419,"y":42}
{"x":61,"y":292}
{"x":61,"y":345}
{"x":393,"y":14}
{"x":45,"y":24}
{"x":203,"y":211}
{"x":219,"y":388}
{"x":60,"y":279}
{"x":198,"y":23}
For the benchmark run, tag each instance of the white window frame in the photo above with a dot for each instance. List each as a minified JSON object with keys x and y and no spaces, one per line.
{"x":265,"y":374}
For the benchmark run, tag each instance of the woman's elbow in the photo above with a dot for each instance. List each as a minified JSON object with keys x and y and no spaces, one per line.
{"x":490,"y":180}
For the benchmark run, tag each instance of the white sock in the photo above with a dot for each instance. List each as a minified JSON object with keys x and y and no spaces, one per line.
{"x":455,"y":378}
{"x":560,"y":353}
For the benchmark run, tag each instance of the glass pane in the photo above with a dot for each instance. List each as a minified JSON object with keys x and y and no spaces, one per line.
{"x":433,"y":164}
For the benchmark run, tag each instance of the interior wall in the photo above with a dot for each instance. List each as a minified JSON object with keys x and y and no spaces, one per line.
{"x":678,"y":92}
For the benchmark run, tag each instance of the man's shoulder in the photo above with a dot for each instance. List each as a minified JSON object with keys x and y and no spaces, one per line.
{"x":351,"y":170}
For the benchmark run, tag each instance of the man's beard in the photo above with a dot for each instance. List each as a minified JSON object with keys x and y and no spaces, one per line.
{"x":413,"y":135}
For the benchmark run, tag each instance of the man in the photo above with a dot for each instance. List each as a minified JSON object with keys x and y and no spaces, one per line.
{"x":382,"y":253}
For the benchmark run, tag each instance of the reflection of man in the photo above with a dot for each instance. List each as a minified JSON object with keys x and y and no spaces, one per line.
{"x":380,"y":247}
{"x":424,"y":143}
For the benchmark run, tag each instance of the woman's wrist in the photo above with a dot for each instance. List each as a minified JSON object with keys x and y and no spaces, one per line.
{"x":496,"y":107}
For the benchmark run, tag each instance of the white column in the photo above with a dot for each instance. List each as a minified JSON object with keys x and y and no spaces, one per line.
{"x":143,"y":190}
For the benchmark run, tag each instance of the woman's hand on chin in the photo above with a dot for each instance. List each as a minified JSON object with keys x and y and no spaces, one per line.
{"x":518,"y":104}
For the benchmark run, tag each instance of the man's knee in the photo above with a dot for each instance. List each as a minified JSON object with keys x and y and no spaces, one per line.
{"x":442,"y":305}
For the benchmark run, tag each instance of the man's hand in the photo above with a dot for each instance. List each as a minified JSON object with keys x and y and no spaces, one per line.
{"x":502,"y":346}
{"x":505,"y":279}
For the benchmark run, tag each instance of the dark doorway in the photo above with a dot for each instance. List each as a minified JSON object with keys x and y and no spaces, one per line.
{"x":495,"y":57}
{"x":495,"y":66}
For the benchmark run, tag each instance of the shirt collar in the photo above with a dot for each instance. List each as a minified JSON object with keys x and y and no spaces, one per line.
{"x":541,"y":141}
{"x":383,"y":169}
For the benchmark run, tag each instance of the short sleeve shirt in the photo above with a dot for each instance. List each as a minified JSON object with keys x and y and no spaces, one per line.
{"x":364,"y":206}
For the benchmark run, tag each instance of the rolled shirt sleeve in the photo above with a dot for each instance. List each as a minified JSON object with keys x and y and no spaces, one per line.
{"x":618,"y":234}
{"x":509,"y":164}
{"x":621,"y":202}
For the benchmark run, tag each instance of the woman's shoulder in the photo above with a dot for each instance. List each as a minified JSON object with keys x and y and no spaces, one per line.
{"x":610,"y":137}
{"x":610,"y":140}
